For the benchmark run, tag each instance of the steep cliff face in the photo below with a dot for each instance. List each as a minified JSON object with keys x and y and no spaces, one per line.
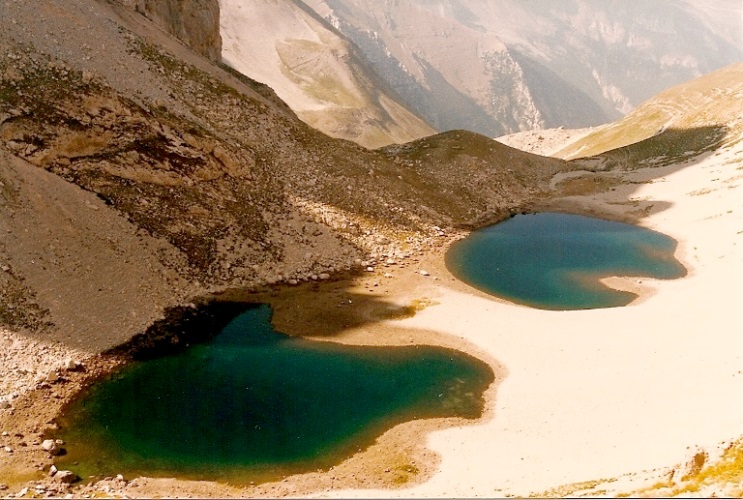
{"x":194,"y":22}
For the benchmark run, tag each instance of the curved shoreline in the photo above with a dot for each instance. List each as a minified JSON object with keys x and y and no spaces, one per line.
{"x":456,"y":317}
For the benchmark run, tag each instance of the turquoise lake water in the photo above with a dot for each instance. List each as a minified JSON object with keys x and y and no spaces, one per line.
{"x":554,"y":260}
{"x":254,"y":404}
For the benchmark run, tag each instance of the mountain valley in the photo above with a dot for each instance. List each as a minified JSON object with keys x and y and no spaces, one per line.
{"x":142,"y":174}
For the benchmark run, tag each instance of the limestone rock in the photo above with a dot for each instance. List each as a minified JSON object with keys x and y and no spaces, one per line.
{"x":51,"y":446}
{"x":193,"y":22}
{"x":66,"y":476}
{"x":71,"y":365}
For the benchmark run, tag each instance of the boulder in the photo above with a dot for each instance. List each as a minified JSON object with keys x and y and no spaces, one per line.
{"x":51,"y":446}
{"x":71,"y":365}
{"x":66,"y":476}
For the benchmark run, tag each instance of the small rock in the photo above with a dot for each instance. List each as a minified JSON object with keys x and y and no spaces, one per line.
{"x":423,"y":272}
{"x":66,"y":476}
{"x":4,"y":404}
{"x":324,"y":276}
{"x":49,"y":445}
{"x":71,"y":365}
{"x":119,"y":477}
{"x":370,"y":269}
{"x":52,"y":376}
{"x":53,"y":470}
{"x":88,"y":76}
{"x":8,"y":449}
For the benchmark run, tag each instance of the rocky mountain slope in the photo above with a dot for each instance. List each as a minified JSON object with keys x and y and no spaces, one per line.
{"x":499,"y":67}
{"x":200,"y":176}
{"x":317,"y":71}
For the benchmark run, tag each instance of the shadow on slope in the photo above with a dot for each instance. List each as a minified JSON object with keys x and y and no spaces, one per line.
{"x":671,"y":146}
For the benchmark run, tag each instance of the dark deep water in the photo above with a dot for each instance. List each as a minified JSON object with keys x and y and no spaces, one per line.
{"x":554,"y":260}
{"x":254,"y":404}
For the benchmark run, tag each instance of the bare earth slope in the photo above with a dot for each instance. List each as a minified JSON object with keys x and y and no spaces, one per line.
{"x":213,"y":166}
{"x":316,"y":71}
{"x":685,"y":107}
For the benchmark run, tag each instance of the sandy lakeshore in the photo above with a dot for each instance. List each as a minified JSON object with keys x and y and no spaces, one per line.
{"x":602,"y":393}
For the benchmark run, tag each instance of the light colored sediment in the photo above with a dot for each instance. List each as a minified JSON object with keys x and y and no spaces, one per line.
{"x":601,"y":393}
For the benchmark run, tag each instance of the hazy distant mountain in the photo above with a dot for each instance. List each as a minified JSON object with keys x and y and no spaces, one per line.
{"x":500,"y":66}
{"x":316,"y":70}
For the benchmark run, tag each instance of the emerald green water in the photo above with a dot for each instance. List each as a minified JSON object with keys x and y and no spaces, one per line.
{"x":555,"y":261}
{"x":254,"y":404}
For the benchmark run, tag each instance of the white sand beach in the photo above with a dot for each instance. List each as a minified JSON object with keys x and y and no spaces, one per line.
{"x":601,"y":393}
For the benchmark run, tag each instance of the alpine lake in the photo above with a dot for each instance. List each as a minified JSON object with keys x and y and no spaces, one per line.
{"x":556,"y":260}
{"x":246,"y":403}
{"x":250,"y":404}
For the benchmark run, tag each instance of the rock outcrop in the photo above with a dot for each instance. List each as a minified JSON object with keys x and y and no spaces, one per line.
{"x":194,"y":22}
